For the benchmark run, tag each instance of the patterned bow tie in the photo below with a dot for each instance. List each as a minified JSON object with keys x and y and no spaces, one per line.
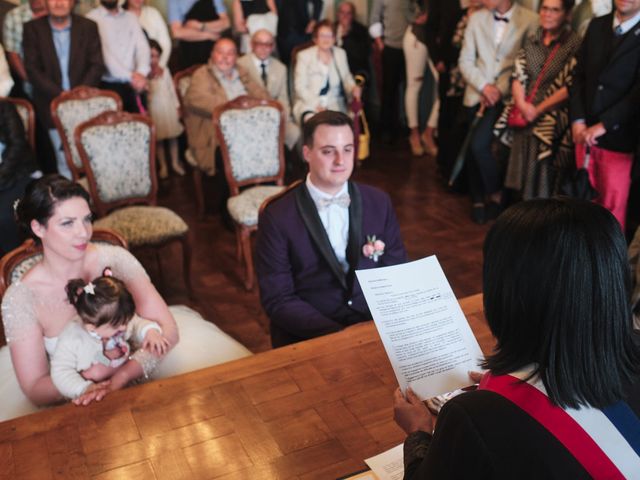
{"x":341,"y":201}
{"x":498,"y":18}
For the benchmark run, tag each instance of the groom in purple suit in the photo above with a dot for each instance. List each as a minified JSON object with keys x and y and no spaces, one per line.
{"x":312,"y":239}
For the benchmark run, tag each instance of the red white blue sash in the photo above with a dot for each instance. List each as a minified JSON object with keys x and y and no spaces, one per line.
{"x":605,"y":442}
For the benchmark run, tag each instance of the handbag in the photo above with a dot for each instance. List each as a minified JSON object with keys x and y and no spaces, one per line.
{"x":364,"y":138}
{"x":515,"y":119}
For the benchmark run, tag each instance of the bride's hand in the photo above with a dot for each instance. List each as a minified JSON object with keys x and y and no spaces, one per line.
{"x":94,"y":393}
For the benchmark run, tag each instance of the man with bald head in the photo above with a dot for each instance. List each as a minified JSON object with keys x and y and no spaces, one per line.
{"x":212,"y":85}
{"x":272,"y":74}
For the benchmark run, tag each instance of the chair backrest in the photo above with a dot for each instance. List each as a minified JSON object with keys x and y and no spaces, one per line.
{"x":71,"y":108}
{"x":28,"y":117}
{"x":20,"y":260}
{"x":250,"y":133}
{"x":117,"y":150}
{"x":269,"y":200}
{"x":182,"y":82}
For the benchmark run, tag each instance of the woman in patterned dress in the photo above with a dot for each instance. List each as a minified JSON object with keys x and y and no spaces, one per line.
{"x":542,"y":152}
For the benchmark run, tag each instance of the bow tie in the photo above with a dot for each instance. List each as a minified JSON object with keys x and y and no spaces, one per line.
{"x":341,"y":201}
{"x":498,"y":18}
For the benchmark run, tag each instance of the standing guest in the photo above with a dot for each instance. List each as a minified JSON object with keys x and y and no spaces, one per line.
{"x":12,"y":37}
{"x":272,"y":73}
{"x":418,"y":57}
{"x":493,"y":38}
{"x":17,"y":163}
{"x":322,"y":79}
{"x":212,"y":85}
{"x":153,"y":25}
{"x":542,"y":152}
{"x":604,"y":103}
{"x":125,"y":50}
{"x":196,"y":24}
{"x":354,"y":38}
{"x":561,"y":398}
{"x":312,"y":240}
{"x":6,"y":82}
{"x":61,"y":51}
{"x":249,"y":16}
{"x":388,"y":23}
{"x":296,"y":22}
{"x":163,"y":108}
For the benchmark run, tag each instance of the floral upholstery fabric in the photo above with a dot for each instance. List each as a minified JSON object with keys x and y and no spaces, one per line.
{"x":244,"y":208}
{"x":73,"y":112}
{"x":24,"y":266}
{"x":143,"y":225}
{"x":119,"y":158}
{"x":252,"y":138}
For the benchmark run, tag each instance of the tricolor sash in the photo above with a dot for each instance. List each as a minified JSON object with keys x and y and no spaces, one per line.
{"x":605,"y":442}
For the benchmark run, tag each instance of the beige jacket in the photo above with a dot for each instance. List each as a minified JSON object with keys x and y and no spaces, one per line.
{"x":203,"y":96}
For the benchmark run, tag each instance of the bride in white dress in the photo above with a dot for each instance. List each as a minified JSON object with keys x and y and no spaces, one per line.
{"x":35,"y":309}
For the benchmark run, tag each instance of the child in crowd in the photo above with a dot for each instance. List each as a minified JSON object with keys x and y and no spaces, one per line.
{"x":163,"y":108}
{"x":93,"y":347}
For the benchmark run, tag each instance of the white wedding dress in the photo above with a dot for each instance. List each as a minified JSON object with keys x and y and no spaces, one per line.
{"x":202,"y":344}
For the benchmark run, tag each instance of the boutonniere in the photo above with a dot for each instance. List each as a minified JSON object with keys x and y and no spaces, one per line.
{"x":373,"y":249}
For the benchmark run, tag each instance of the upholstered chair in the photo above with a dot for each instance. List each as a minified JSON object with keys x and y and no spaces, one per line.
{"x":117,"y":150}
{"x":70,"y":109}
{"x":251,"y":137}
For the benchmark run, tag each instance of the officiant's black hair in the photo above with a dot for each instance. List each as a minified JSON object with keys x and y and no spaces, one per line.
{"x":328,"y":117}
{"x":556,"y":285}
{"x":40,"y":199}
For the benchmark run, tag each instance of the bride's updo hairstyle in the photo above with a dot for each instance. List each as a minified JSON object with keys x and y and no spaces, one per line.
{"x":40,"y":199}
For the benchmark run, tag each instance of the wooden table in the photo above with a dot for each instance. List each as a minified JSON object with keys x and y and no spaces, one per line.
{"x":310,"y":410}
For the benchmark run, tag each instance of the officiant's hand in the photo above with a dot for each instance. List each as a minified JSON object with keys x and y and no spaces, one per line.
{"x":411,"y":414}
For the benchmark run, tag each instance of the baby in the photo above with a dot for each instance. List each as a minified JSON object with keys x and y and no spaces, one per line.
{"x":94,"y":345}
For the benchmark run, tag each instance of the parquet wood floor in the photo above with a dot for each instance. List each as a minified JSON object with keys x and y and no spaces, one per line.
{"x":432,"y":221}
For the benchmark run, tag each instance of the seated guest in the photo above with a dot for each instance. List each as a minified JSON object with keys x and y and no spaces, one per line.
{"x":561,"y":398}
{"x":272,"y":73}
{"x":6,"y":82}
{"x":17,"y":163}
{"x":354,"y":38}
{"x":196,"y":24}
{"x":311,"y":241}
{"x":61,"y":51}
{"x":12,"y":37}
{"x":541,"y":153}
{"x":126,"y":54}
{"x":212,"y":85}
{"x":603,"y":103}
{"x":322,"y":79}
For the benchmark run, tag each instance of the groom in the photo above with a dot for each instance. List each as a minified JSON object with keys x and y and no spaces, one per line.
{"x":312,"y":239}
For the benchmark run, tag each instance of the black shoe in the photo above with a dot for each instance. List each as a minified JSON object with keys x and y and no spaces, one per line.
{"x":478,"y":214}
{"x":493,"y":210}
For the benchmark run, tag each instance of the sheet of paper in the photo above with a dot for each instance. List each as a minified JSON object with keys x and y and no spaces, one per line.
{"x":427,"y":338}
{"x":388,"y":465}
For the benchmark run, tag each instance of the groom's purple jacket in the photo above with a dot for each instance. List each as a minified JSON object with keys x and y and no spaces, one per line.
{"x":303,"y":288}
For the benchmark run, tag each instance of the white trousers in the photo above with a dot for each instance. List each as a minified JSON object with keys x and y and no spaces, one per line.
{"x":417,"y":58}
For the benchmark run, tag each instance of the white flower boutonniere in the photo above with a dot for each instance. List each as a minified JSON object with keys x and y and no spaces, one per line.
{"x":374,"y":248}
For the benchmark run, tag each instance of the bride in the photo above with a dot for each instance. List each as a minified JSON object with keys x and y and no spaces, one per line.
{"x":55,"y":211}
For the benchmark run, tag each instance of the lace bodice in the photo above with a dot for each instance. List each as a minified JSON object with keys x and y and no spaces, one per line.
{"x":26,"y":313}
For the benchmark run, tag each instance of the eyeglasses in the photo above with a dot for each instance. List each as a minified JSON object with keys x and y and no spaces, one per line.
{"x":554,"y":10}
{"x":263,"y":44}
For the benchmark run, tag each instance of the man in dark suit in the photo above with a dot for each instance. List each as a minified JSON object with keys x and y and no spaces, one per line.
{"x":604,"y":101}
{"x":61,"y":51}
{"x":295,"y":24}
{"x":312,"y":239}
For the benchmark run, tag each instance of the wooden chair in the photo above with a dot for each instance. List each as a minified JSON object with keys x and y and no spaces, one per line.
{"x":117,"y":150}
{"x":182,"y":82}
{"x":251,"y":137}
{"x":18,"y":261}
{"x":28,"y":117}
{"x":70,"y":109}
